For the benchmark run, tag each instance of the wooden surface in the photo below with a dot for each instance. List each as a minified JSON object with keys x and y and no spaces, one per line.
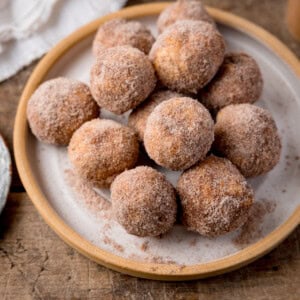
{"x":36,"y":264}
{"x":293,"y":18}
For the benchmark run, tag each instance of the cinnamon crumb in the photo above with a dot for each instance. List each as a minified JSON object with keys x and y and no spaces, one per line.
{"x":88,"y":196}
{"x":107,"y":226}
{"x":144,"y":247}
{"x":115,"y":245}
{"x":160,"y":260}
{"x":252,"y":230}
{"x":193,"y":242}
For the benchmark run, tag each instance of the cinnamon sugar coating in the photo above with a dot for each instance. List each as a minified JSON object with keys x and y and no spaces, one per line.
{"x":238,"y":80}
{"x":215,"y":197}
{"x":101,"y":149}
{"x":178,"y":133}
{"x":183,"y":10}
{"x":119,"y":32}
{"x":58,"y":107}
{"x":138,"y":117}
{"x":121,"y":78}
{"x":144,"y":202}
{"x":247,"y":135}
{"x":187,"y":55}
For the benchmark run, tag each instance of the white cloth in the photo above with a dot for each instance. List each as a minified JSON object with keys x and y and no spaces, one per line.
{"x":28,"y":29}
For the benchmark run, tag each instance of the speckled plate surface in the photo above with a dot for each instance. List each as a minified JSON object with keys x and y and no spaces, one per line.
{"x":5,"y":173}
{"x":80,"y":215}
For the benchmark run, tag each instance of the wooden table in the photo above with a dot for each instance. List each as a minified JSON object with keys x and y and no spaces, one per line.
{"x":36,"y":264}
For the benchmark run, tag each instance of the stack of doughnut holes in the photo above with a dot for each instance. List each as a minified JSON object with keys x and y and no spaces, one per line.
{"x":191,"y":110}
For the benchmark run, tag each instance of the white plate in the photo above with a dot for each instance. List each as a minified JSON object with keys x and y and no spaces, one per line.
{"x":5,"y":173}
{"x":82,"y":221}
{"x":277,"y":193}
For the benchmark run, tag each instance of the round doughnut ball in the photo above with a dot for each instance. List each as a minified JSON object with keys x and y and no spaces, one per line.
{"x":215,"y":197}
{"x":178,"y":133}
{"x":238,"y":81}
{"x":121,"y":78}
{"x":247,"y":135}
{"x":138,"y":117}
{"x":183,"y":10}
{"x":119,"y":32}
{"x":187,"y":55}
{"x":58,"y":107}
{"x":101,"y":149}
{"x":144,"y":202}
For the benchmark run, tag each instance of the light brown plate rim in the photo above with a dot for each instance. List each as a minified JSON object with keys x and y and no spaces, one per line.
{"x":140,"y":269}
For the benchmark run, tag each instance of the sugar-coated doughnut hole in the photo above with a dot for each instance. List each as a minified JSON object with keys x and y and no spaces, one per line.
{"x":178,"y":133}
{"x":121,"y":78}
{"x":119,"y":32}
{"x":58,"y":107}
{"x":138,"y":117}
{"x":187,"y":55}
{"x":101,"y":149}
{"x":214,"y":196}
{"x":247,"y":135}
{"x":238,"y":80}
{"x":183,"y":10}
{"x":144,"y":202}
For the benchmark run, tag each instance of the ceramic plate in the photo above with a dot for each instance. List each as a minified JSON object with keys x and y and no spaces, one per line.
{"x":79,"y":214}
{"x":5,"y":173}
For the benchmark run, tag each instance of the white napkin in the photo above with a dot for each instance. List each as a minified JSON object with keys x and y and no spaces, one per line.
{"x":28,"y":29}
